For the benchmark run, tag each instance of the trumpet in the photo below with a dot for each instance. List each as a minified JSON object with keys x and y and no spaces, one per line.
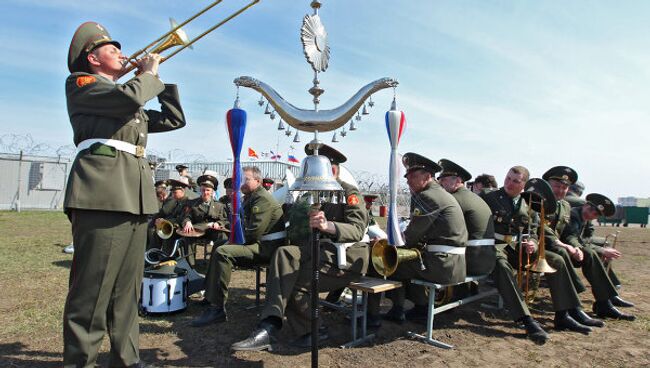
{"x":165,"y":229}
{"x":177,"y":37}
{"x":385,"y":257}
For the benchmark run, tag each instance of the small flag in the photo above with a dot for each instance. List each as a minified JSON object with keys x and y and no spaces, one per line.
{"x":252,"y":153}
{"x":292,"y":158}
{"x":275,"y":156}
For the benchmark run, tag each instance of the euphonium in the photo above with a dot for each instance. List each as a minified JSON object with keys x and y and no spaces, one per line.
{"x":165,"y":229}
{"x":385,"y":257}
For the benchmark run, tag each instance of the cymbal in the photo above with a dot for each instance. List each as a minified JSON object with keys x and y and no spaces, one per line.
{"x":193,"y":234}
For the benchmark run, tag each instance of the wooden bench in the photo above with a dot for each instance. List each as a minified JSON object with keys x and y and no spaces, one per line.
{"x":433,"y":310}
{"x":366,"y":285}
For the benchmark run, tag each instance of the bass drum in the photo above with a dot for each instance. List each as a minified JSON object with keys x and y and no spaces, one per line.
{"x":164,"y":291}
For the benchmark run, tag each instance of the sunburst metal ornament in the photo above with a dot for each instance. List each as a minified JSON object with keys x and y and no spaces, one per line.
{"x":314,"y":42}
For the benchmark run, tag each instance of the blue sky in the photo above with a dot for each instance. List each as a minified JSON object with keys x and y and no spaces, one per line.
{"x":487,"y":84}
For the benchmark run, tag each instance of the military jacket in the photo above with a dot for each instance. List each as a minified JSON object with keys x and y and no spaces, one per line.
{"x":477,"y":214}
{"x":172,"y":209}
{"x":350,"y":221}
{"x":556,"y":224}
{"x":436,"y":218}
{"x":228,"y":203}
{"x":574,"y":200}
{"x":102,"y":178}
{"x":508,"y":216}
{"x":200,"y":213}
{"x":262,"y":215}
{"x":578,"y":232}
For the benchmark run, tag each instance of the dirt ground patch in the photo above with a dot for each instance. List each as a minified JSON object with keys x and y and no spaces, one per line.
{"x":34,"y":283}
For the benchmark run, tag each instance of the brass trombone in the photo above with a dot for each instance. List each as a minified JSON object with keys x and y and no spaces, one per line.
{"x":177,"y":37}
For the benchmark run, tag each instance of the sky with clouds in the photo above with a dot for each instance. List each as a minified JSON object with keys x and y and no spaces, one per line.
{"x":487,"y":84}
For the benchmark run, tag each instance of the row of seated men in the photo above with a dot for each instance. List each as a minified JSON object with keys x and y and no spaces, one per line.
{"x":458,"y":233}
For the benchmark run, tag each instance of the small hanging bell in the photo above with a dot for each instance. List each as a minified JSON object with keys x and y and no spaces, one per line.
{"x":352,"y":126}
{"x":272,"y":115}
{"x":334,"y":139}
{"x":296,"y":138}
{"x":365,"y":110}
{"x":267,"y":110}
{"x":280,"y":125}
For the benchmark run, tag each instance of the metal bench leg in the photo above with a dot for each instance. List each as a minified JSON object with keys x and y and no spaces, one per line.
{"x":258,"y":271}
{"x":430,"y":315}
{"x":356,"y":340}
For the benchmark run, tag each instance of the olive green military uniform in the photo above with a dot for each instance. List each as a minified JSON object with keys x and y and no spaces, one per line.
{"x":289,"y":275}
{"x":262,"y":216}
{"x":577,"y":234}
{"x":480,"y":259}
{"x":557,"y":223}
{"x":227,"y":202}
{"x":172,"y":211}
{"x":511,"y":215}
{"x":436,"y":220}
{"x":201,"y":213}
{"x":108,"y":197}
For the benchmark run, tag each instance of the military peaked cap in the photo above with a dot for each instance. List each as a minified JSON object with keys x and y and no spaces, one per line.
{"x":413,"y":161}
{"x":160,"y":183}
{"x":602,"y":204}
{"x":370,"y":197}
{"x":227,"y":183}
{"x":208,"y":180}
{"x":334,"y":156}
{"x":535,"y":191}
{"x":181,"y":183}
{"x":87,"y":37}
{"x":564,"y":174}
{"x":449,"y":168}
{"x":181,"y":167}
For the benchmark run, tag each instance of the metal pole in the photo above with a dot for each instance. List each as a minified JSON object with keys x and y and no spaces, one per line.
{"x":315,"y":260}
{"x":20,"y":165}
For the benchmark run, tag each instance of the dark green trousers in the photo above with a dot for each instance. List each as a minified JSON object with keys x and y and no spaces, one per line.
{"x":222,"y":261}
{"x":573,"y":273}
{"x":105,"y":279}
{"x":503,"y":275}
{"x":563,"y":292}
{"x":595,"y":272}
{"x":289,"y":281}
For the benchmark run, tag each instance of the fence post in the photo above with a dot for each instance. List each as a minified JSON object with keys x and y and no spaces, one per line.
{"x":20,"y":165}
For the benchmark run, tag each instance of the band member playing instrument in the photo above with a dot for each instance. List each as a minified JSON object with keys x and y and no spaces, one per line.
{"x":289,"y":274}
{"x":578,"y":234}
{"x":483,"y":259}
{"x":109,"y":193}
{"x":437,"y":229}
{"x":172,"y":211}
{"x":511,"y":214}
{"x":264,"y":232}
{"x":204,"y":214}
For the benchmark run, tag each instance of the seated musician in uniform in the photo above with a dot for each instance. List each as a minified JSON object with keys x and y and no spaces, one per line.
{"x":578,"y":234}
{"x":289,"y":274}
{"x":574,"y":195}
{"x":512,"y":219}
{"x":226,"y":199}
{"x":205,"y":214}
{"x":161,"y":192}
{"x":565,"y":240}
{"x":437,"y":229}
{"x":483,"y":259}
{"x":171,"y":210}
{"x":263,"y":233}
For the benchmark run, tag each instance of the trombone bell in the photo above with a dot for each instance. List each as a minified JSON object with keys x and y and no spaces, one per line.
{"x":541,"y":266}
{"x":177,"y":38}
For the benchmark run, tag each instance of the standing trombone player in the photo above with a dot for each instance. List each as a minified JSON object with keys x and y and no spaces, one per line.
{"x":109,"y":193}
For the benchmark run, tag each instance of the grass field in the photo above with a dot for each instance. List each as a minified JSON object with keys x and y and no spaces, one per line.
{"x":34,"y":278}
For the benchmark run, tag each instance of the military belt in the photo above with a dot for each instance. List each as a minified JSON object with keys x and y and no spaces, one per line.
{"x":135,"y":150}
{"x":274,"y":236}
{"x":435,"y":248}
{"x":480,"y":242}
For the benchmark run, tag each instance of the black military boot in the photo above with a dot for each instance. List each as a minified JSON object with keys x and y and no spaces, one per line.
{"x":395,"y":314}
{"x":212,"y":314}
{"x":534,"y":331}
{"x":617,"y":301}
{"x":605,"y":309}
{"x":418,"y":313}
{"x":563,"y":321}
{"x":583,"y":318}
{"x":260,"y":339}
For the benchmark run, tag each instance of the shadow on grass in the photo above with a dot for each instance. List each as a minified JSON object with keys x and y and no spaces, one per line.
{"x":66,"y":263}
{"x":17,"y":354}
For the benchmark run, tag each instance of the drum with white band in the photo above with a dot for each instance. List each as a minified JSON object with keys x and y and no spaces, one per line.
{"x":163,"y":292}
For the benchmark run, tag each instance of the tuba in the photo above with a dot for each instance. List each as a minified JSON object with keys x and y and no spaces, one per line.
{"x":165,"y":229}
{"x":385,"y":257}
